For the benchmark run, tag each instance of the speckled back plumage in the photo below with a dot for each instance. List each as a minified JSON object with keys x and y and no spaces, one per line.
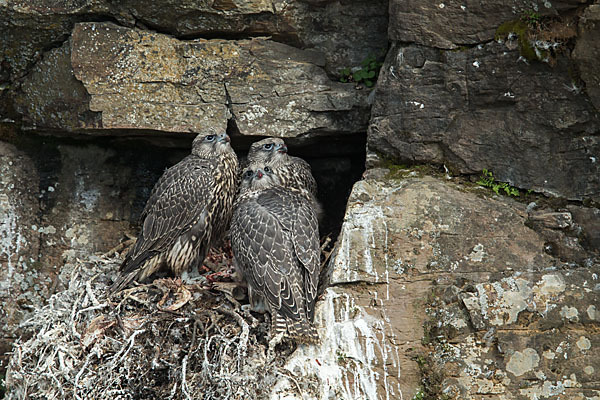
{"x":296,"y":173}
{"x":274,"y":236}
{"x":188,"y":212}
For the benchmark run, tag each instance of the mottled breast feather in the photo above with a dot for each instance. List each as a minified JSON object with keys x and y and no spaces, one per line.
{"x":274,"y":235}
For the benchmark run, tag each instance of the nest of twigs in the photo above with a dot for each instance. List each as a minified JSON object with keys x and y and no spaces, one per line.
{"x":164,"y":340}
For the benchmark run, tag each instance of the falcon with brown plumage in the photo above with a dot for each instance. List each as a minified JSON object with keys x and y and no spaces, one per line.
{"x":293,"y":171}
{"x":275,"y":242}
{"x":188,"y":212}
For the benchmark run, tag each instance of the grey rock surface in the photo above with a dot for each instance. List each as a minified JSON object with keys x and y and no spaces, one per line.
{"x":449,"y":25}
{"x":52,"y":98}
{"x":345,"y":32}
{"x":487,"y":107}
{"x":587,"y":50}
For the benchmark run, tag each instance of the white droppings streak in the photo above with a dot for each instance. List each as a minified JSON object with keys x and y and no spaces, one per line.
{"x":352,"y":344}
{"x":11,"y":237}
{"x":360,"y":226}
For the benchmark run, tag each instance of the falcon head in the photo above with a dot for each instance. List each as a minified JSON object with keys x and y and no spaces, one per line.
{"x":207,"y":145}
{"x":259,"y":178}
{"x":268,"y":150}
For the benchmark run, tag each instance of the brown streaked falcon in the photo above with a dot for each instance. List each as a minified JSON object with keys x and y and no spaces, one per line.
{"x":293,"y":171}
{"x":275,"y":242}
{"x":188,"y":212}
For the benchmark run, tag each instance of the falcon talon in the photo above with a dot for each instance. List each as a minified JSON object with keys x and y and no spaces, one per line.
{"x":218,"y":276}
{"x":204,"y":269}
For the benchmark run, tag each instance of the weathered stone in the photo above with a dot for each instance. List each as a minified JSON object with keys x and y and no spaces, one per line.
{"x":344,"y":32}
{"x":28,"y":28}
{"x":552,"y":220}
{"x":148,"y":81}
{"x":201,"y":18}
{"x":587,"y":219}
{"x":486,"y":107}
{"x":495,"y":307}
{"x":23,"y":283}
{"x":586,"y":52}
{"x":360,"y":344}
{"x":373,"y":243}
{"x":436,"y":23}
{"x":49,"y":105}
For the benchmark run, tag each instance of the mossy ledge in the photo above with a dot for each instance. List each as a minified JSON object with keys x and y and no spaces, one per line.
{"x":522,"y":30}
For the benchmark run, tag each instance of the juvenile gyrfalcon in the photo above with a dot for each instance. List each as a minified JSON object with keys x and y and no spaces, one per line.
{"x":293,"y":171}
{"x":188,"y":211}
{"x":275,"y":241}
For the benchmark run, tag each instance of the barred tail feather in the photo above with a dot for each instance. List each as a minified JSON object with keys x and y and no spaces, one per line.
{"x":140,"y":273}
{"x":301,"y":331}
{"x":121,"y":282}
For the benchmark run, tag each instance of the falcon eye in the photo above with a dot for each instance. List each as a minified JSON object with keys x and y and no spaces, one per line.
{"x":268,"y":146}
{"x":267,"y":169}
{"x":210,"y":138}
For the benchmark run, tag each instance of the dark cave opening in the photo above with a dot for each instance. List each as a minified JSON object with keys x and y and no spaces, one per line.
{"x":125,"y":167}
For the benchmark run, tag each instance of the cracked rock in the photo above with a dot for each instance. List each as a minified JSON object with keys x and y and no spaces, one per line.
{"x":485,"y":108}
{"x":147,"y":81}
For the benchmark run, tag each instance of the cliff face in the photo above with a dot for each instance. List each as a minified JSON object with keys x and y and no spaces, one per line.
{"x":438,"y":287}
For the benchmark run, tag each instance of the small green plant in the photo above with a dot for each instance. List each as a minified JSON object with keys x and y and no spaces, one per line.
{"x":487,"y":180}
{"x":532,"y":18}
{"x":341,"y":356}
{"x":366,"y":74}
{"x":419,"y":395}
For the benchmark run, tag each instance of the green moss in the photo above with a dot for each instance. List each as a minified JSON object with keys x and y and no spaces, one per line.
{"x":397,"y":172}
{"x":401,"y":171}
{"x":431,"y":379}
{"x":522,"y":29}
{"x":419,"y":395}
{"x":516,"y":26}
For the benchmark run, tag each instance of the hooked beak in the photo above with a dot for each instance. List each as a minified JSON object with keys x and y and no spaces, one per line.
{"x":224,"y":138}
{"x":281,"y":148}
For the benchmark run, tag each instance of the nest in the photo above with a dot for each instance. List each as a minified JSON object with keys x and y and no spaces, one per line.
{"x":164,"y":340}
